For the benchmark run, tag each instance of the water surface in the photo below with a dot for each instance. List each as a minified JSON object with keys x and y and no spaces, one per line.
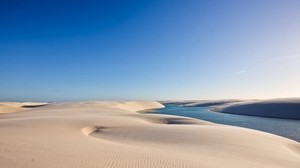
{"x":283,"y":127}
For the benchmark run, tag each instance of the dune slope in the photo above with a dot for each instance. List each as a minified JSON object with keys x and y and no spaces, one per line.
{"x":10,"y":107}
{"x":277,"y":108}
{"x":112,"y":134}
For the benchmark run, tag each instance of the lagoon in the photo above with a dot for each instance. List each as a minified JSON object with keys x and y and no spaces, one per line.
{"x":283,"y":127}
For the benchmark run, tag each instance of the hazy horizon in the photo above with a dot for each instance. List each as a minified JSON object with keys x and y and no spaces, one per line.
{"x":149,"y":50}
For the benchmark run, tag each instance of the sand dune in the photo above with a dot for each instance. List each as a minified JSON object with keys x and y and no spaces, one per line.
{"x":278,"y":108}
{"x":112,"y":134}
{"x":204,"y":103}
{"x":9,"y":107}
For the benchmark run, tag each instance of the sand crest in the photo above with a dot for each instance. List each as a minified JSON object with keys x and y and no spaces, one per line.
{"x":9,"y":107}
{"x":277,"y":108}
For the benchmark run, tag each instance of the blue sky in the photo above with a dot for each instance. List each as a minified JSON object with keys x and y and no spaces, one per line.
{"x":141,"y":50}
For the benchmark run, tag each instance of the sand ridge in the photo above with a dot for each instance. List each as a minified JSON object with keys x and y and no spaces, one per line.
{"x":9,"y":107}
{"x":276,"y":108}
{"x":112,"y":134}
{"x":287,"y":108}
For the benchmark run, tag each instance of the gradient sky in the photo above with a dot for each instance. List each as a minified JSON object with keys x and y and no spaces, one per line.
{"x":147,"y":49}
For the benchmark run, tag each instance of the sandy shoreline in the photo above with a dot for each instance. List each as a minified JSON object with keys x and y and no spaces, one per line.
{"x":113,"y":134}
{"x":285,"y":108}
{"x":275,"y":108}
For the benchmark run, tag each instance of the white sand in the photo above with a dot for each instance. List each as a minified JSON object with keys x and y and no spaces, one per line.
{"x":112,"y":134}
{"x":8,"y":107}
{"x":204,"y":103}
{"x":288,"y":108}
{"x":278,"y":108}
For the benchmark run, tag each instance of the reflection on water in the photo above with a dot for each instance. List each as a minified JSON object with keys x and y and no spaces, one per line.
{"x":283,"y":127}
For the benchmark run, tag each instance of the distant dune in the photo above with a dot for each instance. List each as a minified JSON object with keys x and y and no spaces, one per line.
{"x":277,"y":108}
{"x":9,"y":107}
{"x":112,"y":134}
{"x":204,"y":103}
{"x":200,"y":103}
{"x":178,"y":102}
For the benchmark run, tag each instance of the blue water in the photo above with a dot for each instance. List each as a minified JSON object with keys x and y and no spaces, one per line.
{"x":283,"y":127}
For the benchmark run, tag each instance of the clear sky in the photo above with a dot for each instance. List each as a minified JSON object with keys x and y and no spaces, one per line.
{"x":74,"y":50}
